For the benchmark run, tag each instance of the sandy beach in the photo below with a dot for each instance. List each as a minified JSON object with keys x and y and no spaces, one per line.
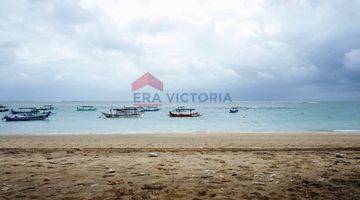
{"x":322,"y":165}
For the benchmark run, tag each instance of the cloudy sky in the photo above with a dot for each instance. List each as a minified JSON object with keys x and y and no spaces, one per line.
{"x":256,"y":50}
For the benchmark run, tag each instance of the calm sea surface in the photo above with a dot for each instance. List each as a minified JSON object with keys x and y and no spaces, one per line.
{"x":262,"y":116}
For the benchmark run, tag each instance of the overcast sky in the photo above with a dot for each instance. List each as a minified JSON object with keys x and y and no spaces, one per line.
{"x":256,"y":50}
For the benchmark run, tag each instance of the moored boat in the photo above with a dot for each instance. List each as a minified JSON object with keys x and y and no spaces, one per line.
{"x":125,"y":112}
{"x":46,"y":107}
{"x":151,"y":109}
{"x":140,"y":108}
{"x":25,"y":110}
{"x":184,"y":112}
{"x":85,"y":108}
{"x":3,"y":108}
{"x":244,"y":107}
{"x":27,"y":117}
{"x":233,"y":110}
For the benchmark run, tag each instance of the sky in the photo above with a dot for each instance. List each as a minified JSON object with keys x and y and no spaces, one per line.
{"x":256,"y":50}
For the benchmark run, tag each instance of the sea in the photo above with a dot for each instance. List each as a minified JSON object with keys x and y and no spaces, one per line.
{"x":259,"y":116}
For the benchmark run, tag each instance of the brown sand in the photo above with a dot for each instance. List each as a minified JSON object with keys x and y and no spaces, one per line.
{"x":189,"y":166}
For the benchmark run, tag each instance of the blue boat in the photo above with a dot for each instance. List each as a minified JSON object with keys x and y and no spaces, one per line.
{"x":151,"y":109}
{"x":27,"y":117}
{"x":29,"y":110}
{"x":85,"y":108}
{"x":233,"y":110}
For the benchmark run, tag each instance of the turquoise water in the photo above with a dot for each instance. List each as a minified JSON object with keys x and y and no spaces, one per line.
{"x":262,"y":116}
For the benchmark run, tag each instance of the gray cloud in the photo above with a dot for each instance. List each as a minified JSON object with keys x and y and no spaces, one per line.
{"x":352,"y":60}
{"x":275,"y":50}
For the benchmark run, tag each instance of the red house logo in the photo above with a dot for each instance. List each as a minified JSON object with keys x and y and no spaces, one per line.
{"x":147,"y":79}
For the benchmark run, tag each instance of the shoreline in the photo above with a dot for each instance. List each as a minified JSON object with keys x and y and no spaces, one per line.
{"x":215,"y":140}
{"x":340,"y":131}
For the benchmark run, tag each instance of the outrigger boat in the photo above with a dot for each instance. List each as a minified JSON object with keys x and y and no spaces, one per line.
{"x":244,"y":108}
{"x":3,"y":108}
{"x":233,"y":110}
{"x":184,"y":112}
{"x":151,"y":109}
{"x":140,"y":108}
{"x":125,"y":112}
{"x":85,"y":108}
{"x":46,"y":107}
{"x":27,"y":117}
{"x":25,"y":111}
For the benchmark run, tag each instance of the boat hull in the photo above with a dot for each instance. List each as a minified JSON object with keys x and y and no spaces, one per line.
{"x":14,"y":112}
{"x":109,"y":115}
{"x":26,"y":118}
{"x":4,"y":109}
{"x":85,"y":109}
{"x":171,"y":114}
{"x":151,"y":110}
{"x":81,"y":110}
{"x":45,"y":109}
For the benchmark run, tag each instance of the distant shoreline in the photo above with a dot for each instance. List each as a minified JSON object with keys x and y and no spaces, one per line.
{"x":178,"y":132}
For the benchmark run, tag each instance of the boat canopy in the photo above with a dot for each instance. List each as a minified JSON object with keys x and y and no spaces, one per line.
{"x":151,"y":106}
{"x":48,"y":105}
{"x":123,"y":112}
{"x":126,"y":109}
{"x":27,"y":108}
{"x":183,"y":109}
{"x":130,"y":108}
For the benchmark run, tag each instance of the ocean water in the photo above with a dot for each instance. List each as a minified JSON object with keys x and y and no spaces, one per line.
{"x":262,"y":116}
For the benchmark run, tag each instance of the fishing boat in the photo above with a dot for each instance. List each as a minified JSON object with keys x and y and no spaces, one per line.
{"x":3,"y":108}
{"x":25,"y":110}
{"x":233,"y":110}
{"x":27,"y":117}
{"x":85,"y":108}
{"x":184,"y":112}
{"x":151,"y":109}
{"x":125,"y":112}
{"x":46,"y":107}
{"x":140,"y":108}
{"x":243,"y":107}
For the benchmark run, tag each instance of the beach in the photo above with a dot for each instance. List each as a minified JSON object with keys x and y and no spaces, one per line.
{"x":216,"y":165}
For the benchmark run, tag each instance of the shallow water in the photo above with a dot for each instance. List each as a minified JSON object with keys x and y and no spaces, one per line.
{"x":262,"y":116}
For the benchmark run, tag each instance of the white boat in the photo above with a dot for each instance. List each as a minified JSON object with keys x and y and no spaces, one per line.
{"x":3,"y":108}
{"x":46,"y":107}
{"x":125,"y":112}
{"x":184,"y":112}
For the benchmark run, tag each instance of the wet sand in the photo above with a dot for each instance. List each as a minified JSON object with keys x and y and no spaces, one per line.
{"x":187,"y":166}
